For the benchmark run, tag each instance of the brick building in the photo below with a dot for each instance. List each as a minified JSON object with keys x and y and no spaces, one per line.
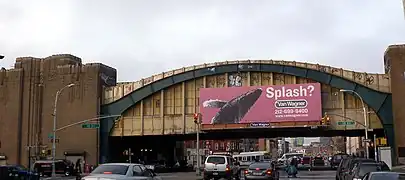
{"x":27,"y":95}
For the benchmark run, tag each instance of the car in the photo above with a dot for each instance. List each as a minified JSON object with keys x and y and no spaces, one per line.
{"x":283,"y":160}
{"x":157,"y":166}
{"x":348,"y":165}
{"x":20,"y":172}
{"x":384,"y":176}
{"x":343,"y":168}
{"x":305,"y":162}
{"x":122,"y":171}
{"x":261,"y":170}
{"x":360,"y":169}
{"x":318,"y":161}
{"x":44,"y":167}
{"x":335,"y":160}
{"x":220,"y":166}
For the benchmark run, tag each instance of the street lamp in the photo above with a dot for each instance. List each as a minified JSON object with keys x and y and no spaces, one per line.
{"x":54,"y":127}
{"x":365,"y":118}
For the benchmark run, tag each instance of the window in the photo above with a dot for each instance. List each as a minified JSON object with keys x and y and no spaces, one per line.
{"x":137,"y":171}
{"x":388,"y":176}
{"x":216,"y":160}
{"x":143,"y":167}
{"x":229,"y":160}
{"x":216,"y":146}
{"x":262,"y":166}
{"x":111,"y":169}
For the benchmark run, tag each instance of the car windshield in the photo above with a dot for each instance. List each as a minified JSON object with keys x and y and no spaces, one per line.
{"x":260,"y":166}
{"x":111,"y":169}
{"x":366,"y":168}
{"x":216,"y":160}
{"x":387,"y":176}
{"x":339,"y":157}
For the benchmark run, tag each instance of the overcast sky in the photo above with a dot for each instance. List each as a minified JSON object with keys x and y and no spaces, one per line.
{"x":141,"y":38}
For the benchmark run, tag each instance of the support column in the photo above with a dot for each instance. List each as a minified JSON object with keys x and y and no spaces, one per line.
{"x":183,"y":100}
{"x":142,"y":120}
{"x":162,"y":110}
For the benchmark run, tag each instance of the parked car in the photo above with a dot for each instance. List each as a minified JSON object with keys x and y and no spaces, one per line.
{"x":220,"y":166}
{"x":262,"y":170}
{"x":122,"y":171}
{"x":19,"y":172}
{"x":44,"y":167}
{"x":384,"y":176}
{"x":336,"y":159}
{"x":360,"y":169}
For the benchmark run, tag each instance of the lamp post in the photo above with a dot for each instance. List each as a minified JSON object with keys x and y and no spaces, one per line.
{"x":365,"y":119}
{"x":54,"y":127}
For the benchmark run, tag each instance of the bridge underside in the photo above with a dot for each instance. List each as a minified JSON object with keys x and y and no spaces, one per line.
{"x":170,"y":146}
{"x":264,"y":133}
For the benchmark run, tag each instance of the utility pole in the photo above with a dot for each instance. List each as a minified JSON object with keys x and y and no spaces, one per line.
{"x":197,"y":121}
{"x":54,"y":127}
{"x":364,"y":117}
{"x":375,"y":147}
{"x":129,"y":154}
{"x":283,"y":143}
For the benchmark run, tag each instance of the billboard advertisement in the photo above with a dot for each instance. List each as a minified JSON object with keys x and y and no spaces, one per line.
{"x":255,"y":104}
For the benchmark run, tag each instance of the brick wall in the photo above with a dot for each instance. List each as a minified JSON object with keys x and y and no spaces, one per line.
{"x":394,"y":62}
{"x":27,"y":99}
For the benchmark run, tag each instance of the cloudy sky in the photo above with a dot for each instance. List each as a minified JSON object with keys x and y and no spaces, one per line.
{"x":141,"y":38}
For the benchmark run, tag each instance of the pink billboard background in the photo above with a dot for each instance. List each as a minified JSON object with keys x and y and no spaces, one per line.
{"x":254,"y":104}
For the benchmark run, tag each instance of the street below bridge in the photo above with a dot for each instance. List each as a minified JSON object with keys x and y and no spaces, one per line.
{"x":302,"y":175}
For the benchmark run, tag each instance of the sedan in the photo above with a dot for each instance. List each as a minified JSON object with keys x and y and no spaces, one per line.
{"x":384,"y":176}
{"x":122,"y":171}
{"x":261,"y":170}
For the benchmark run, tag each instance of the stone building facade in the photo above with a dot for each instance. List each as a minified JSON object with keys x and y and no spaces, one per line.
{"x":27,"y":95}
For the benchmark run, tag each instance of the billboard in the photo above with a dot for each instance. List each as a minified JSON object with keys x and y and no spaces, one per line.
{"x":254,"y":104}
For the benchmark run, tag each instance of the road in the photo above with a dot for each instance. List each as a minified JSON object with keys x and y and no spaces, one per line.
{"x":302,"y":175}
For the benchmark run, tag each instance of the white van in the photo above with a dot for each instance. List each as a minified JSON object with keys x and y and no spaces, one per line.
{"x":220,"y":166}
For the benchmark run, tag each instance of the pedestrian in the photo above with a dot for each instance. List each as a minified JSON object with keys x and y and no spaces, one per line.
{"x":78,"y":168}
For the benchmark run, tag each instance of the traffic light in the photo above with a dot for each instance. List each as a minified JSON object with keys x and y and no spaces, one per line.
{"x":325,"y":120}
{"x":196,"y":118}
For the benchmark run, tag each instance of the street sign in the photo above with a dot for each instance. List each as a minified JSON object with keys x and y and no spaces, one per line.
{"x":366,"y":140}
{"x":345,"y":123}
{"x":50,"y":135}
{"x":90,"y":126}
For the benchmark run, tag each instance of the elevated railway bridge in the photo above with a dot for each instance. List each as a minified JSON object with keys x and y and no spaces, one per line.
{"x":160,"y":108}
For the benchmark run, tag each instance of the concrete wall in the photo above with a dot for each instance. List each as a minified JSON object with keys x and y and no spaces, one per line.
{"x":27,"y":95}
